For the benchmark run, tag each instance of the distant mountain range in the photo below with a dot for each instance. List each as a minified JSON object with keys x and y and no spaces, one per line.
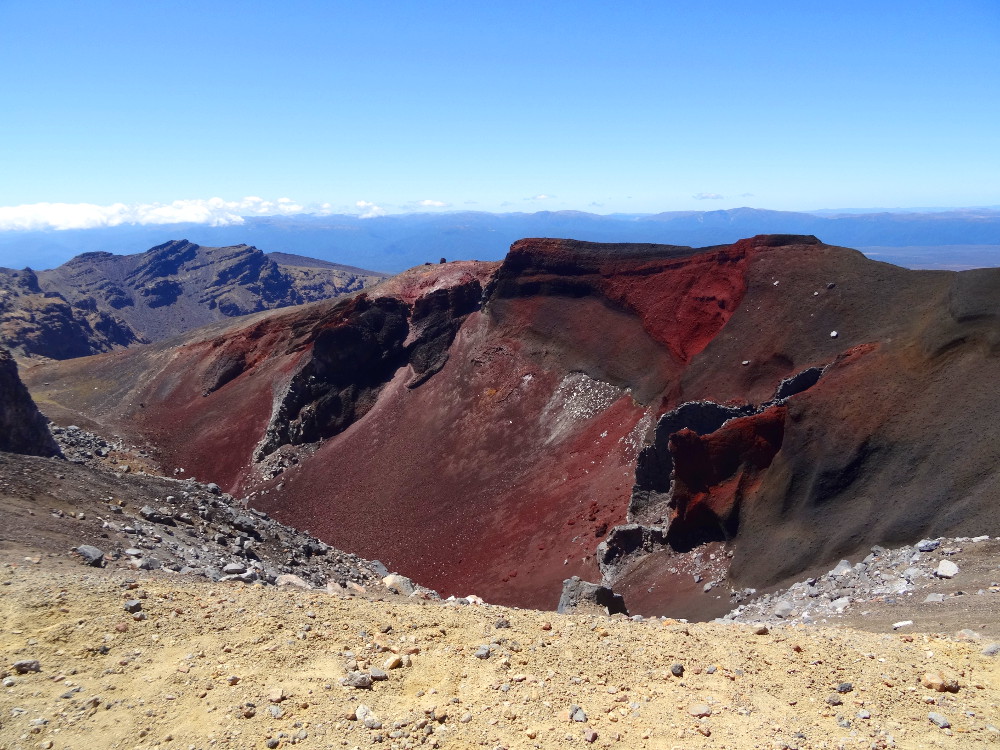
{"x":944,"y":239}
{"x":99,"y":301}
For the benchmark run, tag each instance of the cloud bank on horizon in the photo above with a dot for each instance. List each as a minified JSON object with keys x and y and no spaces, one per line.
{"x":211,"y":211}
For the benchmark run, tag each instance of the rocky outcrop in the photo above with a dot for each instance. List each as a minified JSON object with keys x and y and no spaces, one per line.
{"x":354,"y":353}
{"x":98,"y":301}
{"x":38,"y":323}
{"x":22,"y":428}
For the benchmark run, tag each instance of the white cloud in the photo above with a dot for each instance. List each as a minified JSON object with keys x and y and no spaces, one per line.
{"x":369,"y":210}
{"x":428,"y":203}
{"x":708,"y":196}
{"x":212,"y":211}
{"x":540,"y":197}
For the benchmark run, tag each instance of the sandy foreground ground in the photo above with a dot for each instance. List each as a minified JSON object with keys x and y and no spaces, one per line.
{"x":244,"y":666}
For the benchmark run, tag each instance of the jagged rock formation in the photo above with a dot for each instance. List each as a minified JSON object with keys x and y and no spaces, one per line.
{"x":484,"y":427}
{"x":39,"y":323}
{"x":98,"y":301}
{"x":22,"y":427}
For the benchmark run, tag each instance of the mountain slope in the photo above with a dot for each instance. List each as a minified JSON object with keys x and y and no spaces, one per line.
{"x":99,"y":301}
{"x":592,"y":410}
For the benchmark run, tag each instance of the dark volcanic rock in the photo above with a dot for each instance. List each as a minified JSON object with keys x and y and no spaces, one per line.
{"x":22,"y":428}
{"x":577,"y":595}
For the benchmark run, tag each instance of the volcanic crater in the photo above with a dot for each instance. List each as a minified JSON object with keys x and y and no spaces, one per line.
{"x":589,"y":410}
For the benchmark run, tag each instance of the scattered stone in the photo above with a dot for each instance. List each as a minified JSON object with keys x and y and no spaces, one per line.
{"x":483,"y":652}
{"x":946,"y":569}
{"x":902,"y":624}
{"x":700,"y":710}
{"x":234,"y":569}
{"x":843,"y":568}
{"x":133,"y":606}
{"x":991,"y":650}
{"x":845,"y":687}
{"x":393,"y":662}
{"x":378,"y":675}
{"x":938,"y":720}
{"x":928,"y":545}
{"x":577,"y":714}
{"x":400,"y":584}
{"x":91,"y":555}
{"x":933,"y":598}
{"x":590,"y":736}
{"x":580,"y":596}
{"x":761,"y":630}
{"x":27,"y":665}
{"x":835,"y":700}
{"x":677,"y":670}
{"x":784,"y":609}
{"x":285,"y":579}
{"x":935,"y":681}
{"x":357,"y":680}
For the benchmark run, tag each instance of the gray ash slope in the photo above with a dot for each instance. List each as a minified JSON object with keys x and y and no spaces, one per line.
{"x":90,"y":508}
{"x":100,"y":301}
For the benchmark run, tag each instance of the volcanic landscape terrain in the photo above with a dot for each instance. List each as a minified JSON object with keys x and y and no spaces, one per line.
{"x":224,"y":538}
{"x":99,"y":301}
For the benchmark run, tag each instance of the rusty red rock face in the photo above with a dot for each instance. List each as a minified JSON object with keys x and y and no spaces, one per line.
{"x":477,"y":426}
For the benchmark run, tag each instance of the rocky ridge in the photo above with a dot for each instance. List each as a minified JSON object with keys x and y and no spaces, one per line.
{"x":99,"y":301}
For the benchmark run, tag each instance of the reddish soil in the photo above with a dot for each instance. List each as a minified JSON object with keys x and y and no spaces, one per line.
{"x":500,"y":473}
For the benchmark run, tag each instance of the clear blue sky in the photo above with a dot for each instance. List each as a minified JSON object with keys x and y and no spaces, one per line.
{"x":634,"y":106}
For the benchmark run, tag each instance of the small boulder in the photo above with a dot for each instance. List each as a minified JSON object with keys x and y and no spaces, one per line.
{"x":843,"y":568}
{"x":580,"y":596}
{"x":91,"y":555}
{"x":357,"y":680}
{"x":946,"y":569}
{"x":783,"y":609}
{"x":400,"y":584}
{"x":938,"y":720}
{"x":27,"y":665}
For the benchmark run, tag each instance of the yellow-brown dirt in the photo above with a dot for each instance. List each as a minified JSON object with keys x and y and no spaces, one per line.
{"x":185,"y":676}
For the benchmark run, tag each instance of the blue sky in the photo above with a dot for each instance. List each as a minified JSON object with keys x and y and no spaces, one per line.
{"x":517,"y":106}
